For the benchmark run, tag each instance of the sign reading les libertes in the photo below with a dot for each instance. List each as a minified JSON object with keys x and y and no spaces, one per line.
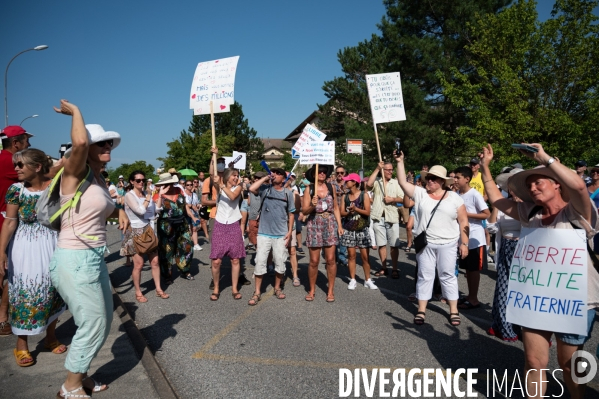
{"x":310,"y":133}
{"x":386,"y":99}
{"x":213,"y":81}
{"x":548,"y":281}
{"x":320,"y":152}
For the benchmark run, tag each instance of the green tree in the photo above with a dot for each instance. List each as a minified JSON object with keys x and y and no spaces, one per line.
{"x":126,"y":169}
{"x":528,"y":81}
{"x":417,"y":39}
{"x":232,"y":132}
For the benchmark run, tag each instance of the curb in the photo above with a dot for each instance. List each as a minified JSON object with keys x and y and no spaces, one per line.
{"x":159,"y":380}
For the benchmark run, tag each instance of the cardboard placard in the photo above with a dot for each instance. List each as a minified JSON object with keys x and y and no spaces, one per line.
{"x":320,"y":152}
{"x":213,"y":81}
{"x":386,"y":98}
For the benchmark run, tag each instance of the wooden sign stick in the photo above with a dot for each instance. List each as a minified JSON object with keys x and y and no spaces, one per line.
{"x":213,"y":138}
{"x":378,"y":147}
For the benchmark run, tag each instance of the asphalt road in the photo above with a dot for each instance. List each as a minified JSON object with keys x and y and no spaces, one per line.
{"x":293,"y":348}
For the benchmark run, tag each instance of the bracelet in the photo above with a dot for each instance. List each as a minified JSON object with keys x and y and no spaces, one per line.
{"x":465,"y":243}
{"x":486,"y":181}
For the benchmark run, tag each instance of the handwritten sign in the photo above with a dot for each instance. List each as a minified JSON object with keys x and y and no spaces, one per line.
{"x":386,"y":99}
{"x":213,"y":81}
{"x":309,"y":134}
{"x":321,"y":152}
{"x":239,"y":158}
{"x":547,"y":287}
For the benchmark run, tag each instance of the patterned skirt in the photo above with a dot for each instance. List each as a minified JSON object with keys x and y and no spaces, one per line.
{"x":322,"y":231}
{"x":356,"y":239}
{"x":227,"y":240}
{"x":128,"y":246}
{"x":501,"y":326}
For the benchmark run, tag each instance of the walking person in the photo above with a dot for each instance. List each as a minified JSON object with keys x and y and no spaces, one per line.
{"x":441,"y":216}
{"x":78,"y":269}
{"x":227,"y":239}
{"x":324,"y":227}
{"x":552,"y":198}
{"x":275,"y":231}
{"x":34,"y":303}
{"x":140,"y":209}
{"x":174,"y":241}
{"x":355,"y":209}
{"x":384,"y":215}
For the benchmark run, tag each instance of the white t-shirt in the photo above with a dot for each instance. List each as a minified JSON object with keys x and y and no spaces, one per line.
{"x":444,"y":226}
{"x":227,"y":211}
{"x":475,"y":203}
{"x":112,"y":188}
{"x":191,"y":199}
{"x":138,"y":214}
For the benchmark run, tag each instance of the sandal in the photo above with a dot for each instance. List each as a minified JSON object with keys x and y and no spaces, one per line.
{"x":296,"y":282}
{"x":418,"y":319}
{"x":279,"y":294}
{"x":454,"y":319}
{"x":64,"y":394}
{"x":412,"y":297}
{"x":236,"y":295}
{"x":162,"y":294}
{"x":141,"y":298}
{"x":56,"y":347}
{"x":214,"y":296}
{"x":467,"y":305}
{"x":395,"y":274}
{"x":188,"y":276}
{"x":254,"y":300}
{"x":382,"y":272}
{"x":310,"y":297}
{"x":23,"y":355}
{"x":330,"y":298}
{"x":98,"y":386}
{"x":408,"y":248}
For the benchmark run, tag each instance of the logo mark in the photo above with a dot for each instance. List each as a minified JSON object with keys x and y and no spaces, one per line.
{"x":583,"y":367}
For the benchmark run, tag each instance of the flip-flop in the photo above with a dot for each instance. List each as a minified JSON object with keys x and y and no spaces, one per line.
{"x":467,"y":305}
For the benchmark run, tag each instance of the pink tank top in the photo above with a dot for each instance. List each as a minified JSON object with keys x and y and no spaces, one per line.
{"x":87,"y":220}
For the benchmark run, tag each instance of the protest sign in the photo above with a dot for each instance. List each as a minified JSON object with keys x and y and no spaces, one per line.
{"x":547,"y":287}
{"x":309,"y":134}
{"x":239,"y":158}
{"x":386,"y":99}
{"x":213,"y":81}
{"x":320,"y":152}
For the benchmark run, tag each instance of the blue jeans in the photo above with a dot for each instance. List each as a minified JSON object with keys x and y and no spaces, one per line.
{"x":340,"y":254}
{"x":81,"y":278}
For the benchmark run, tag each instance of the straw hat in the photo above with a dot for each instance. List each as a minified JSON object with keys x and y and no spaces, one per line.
{"x":438,"y":171}
{"x":166,"y":178}
{"x":517,"y":183}
{"x":503,"y":177}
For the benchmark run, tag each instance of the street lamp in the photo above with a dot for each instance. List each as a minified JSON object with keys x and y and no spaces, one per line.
{"x":37,"y":48}
{"x":32,"y":116}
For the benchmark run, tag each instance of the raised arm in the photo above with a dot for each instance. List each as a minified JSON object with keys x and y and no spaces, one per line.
{"x":372,"y":178}
{"x":505,"y":205}
{"x":408,"y":188}
{"x":75,"y":167}
{"x":255,"y":187}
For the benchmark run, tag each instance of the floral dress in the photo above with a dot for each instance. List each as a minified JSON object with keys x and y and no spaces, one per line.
{"x":322,"y":225}
{"x":174,"y":240}
{"x":33,"y":301}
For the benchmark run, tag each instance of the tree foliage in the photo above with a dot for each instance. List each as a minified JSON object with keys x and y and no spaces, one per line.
{"x":418,"y":39}
{"x":232,"y":132}
{"x":528,"y":81}
{"x":126,"y":169}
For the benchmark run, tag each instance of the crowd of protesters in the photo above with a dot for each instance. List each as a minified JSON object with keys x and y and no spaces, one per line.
{"x":445,"y":214}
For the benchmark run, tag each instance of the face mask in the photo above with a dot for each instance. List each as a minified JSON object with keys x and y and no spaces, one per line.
{"x":220,"y":167}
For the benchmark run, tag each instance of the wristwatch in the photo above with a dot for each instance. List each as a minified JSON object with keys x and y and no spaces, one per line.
{"x":550,"y":161}
{"x":465,"y":243}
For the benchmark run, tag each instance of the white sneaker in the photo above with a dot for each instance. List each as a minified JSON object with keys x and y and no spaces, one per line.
{"x":197,"y":247}
{"x":352,"y":284}
{"x":370,"y":284}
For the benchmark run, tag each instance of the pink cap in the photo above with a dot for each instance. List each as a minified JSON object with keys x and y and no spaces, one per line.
{"x":353,"y":176}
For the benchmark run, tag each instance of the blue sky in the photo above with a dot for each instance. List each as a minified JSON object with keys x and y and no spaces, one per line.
{"x":129,"y":65}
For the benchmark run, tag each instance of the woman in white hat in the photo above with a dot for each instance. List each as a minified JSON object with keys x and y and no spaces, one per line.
{"x":78,"y":269}
{"x":442,"y":217}
{"x":553,"y":197}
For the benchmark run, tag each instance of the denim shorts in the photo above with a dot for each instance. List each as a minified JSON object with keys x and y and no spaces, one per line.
{"x":575,"y":339}
{"x":244,"y":206}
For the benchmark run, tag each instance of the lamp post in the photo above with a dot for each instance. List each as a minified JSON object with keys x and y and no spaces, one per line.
{"x":37,"y":48}
{"x":32,"y":116}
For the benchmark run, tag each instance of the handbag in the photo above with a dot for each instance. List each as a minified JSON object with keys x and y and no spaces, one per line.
{"x":204,"y":214}
{"x":146,"y":242}
{"x":420,"y":241}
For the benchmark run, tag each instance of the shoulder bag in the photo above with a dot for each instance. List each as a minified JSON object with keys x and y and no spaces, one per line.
{"x":420,"y":241}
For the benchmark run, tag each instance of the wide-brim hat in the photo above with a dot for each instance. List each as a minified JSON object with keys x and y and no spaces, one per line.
{"x":438,"y":171}
{"x":328,"y":169}
{"x":517,"y":183}
{"x":503,"y":177}
{"x":166,"y":178}
{"x":95,"y":134}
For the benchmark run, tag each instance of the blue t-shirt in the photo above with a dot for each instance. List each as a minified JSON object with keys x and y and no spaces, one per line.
{"x":276,"y":207}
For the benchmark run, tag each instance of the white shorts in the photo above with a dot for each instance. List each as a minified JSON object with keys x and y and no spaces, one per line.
{"x":386,"y":233}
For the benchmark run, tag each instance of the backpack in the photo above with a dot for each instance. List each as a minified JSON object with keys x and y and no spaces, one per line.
{"x":329,"y":187}
{"x":266,"y":196}
{"x":48,"y":208}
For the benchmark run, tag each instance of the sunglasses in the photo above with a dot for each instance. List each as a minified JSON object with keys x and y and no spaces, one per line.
{"x":140,"y":180}
{"x":430,"y":178}
{"x":594,"y":171}
{"x":103,"y":143}
{"x":340,"y":172}
{"x":19,"y":165}
{"x":189,"y":185}
{"x":277,"y":172}
{"x":388,"y":170}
